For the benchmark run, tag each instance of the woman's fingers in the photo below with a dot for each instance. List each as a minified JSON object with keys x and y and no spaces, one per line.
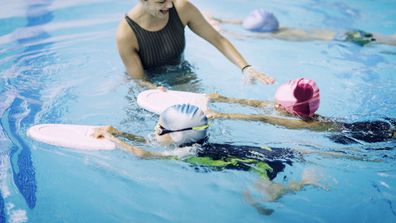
{"x":266,"y":79}
{"x":255,"y":75}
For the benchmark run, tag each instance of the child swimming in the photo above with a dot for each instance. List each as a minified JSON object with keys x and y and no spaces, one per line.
{"x":263,"y":24}
{"x":186,"y":127}
{"x":300,"y":98}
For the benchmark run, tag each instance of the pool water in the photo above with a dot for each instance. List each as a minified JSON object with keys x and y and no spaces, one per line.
{"x":59,"y":64}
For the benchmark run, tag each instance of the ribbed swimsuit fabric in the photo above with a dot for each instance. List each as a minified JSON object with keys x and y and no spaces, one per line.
{"x":162,"y":47}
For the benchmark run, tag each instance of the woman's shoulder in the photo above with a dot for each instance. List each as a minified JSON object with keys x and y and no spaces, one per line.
{"x":181,"y":3}
{"x":123,"y":30}
{"x":184,"y":7}
{"x":125,"y":35}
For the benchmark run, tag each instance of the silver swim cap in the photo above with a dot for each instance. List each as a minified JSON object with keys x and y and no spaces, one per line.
{"x":184,"y":116}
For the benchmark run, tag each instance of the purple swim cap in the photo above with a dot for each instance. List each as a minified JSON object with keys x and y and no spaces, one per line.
{"x":260,"y":20}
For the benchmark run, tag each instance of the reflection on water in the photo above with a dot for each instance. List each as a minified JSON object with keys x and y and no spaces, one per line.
{"x":180,"y":77}
{"x":20,"y":111}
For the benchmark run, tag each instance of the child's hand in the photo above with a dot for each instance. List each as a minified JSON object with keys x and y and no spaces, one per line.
{"x":214,"y":96}
{"x":162,"y":88}
{"x":103,"y":132}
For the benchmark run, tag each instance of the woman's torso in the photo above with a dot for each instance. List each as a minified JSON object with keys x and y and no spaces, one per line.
{"x":162,"y":47}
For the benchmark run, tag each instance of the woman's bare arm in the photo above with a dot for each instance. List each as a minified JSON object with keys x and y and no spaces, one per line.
{"x":128,"y":48}
{"x":194,"y":19}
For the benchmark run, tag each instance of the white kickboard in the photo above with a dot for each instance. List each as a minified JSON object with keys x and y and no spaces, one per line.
{"x":70,"y":136}
{"x":157,"y":101}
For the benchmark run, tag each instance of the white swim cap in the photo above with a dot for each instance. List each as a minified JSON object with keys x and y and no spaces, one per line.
{"x":260,"y":20}
{"x":184,"y":116}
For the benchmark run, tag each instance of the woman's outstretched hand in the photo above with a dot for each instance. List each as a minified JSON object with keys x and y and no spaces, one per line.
{"x":253,"y":75}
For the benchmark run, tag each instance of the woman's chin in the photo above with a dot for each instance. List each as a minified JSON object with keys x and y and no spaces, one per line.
{"x":162,"y":14}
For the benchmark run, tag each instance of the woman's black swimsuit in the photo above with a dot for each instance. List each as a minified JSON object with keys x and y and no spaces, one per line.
{"x":163,"y":47}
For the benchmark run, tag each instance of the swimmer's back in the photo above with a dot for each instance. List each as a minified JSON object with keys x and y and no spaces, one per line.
{"x":265,"y":161}
{"x":218,"y":151}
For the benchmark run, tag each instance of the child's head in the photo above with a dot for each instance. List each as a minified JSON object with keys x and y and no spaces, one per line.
{"x":260,"y":20}
{"x":182,"y":124}
{"x":299,"y":97}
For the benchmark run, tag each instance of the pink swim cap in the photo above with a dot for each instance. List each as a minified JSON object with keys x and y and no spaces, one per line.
{"x":299,"y":97}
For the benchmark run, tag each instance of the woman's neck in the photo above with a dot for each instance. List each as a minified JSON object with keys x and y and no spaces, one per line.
{"x":141,"y":16}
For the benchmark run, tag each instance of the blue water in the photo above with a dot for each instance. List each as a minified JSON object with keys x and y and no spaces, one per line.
{"x":59,"y":64}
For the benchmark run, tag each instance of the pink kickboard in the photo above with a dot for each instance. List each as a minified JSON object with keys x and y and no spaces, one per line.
{"x":157,"y":101}
{"x":70,"y":136}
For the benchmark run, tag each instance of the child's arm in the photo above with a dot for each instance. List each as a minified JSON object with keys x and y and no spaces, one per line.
{"x":228,"y":21}
{"x":110,"y":129}
{"x":136,"y":150}
{"x":110,"y":132}
{"x":214,"y":97}
{"x":288,"y":123}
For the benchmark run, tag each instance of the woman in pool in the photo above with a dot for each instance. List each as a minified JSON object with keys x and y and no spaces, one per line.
{"x":152,"y":35}
{"x":265,"y":25}
{"x":185,"y":126}
{"x":300,"y":98}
